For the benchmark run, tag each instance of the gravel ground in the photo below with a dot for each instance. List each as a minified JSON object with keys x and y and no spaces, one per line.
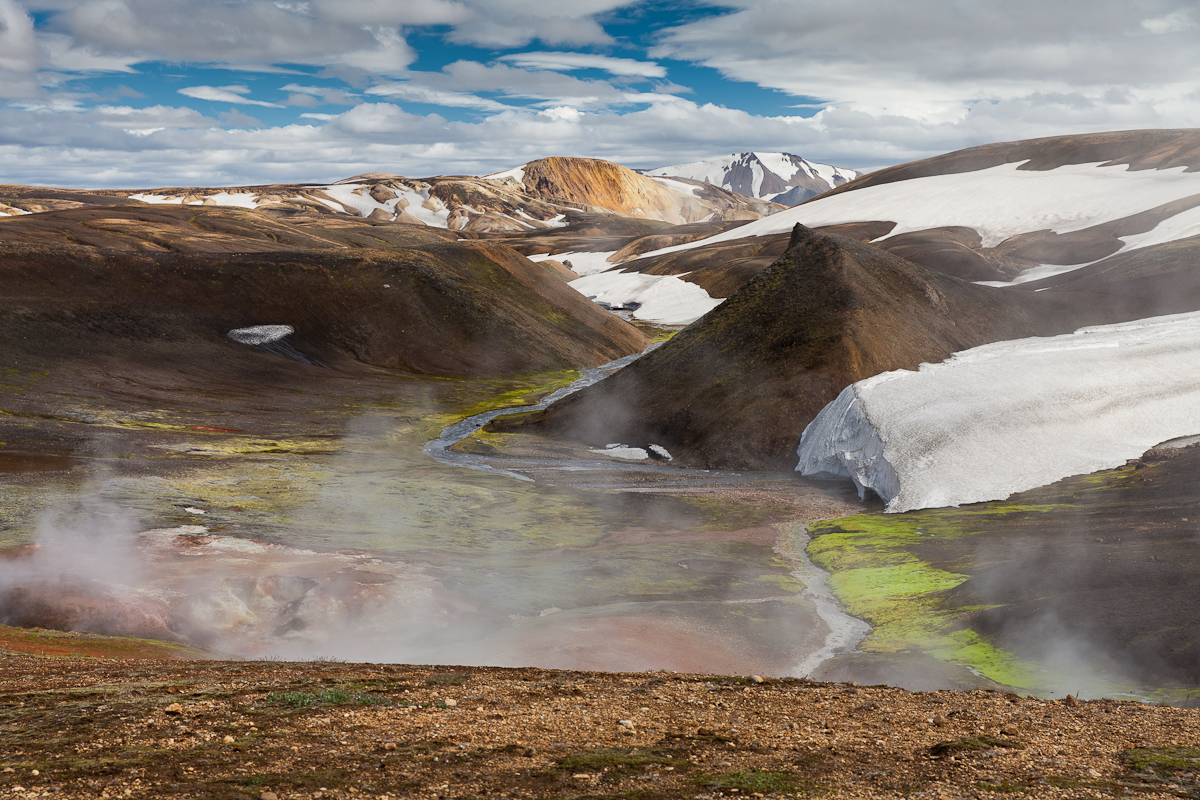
{"x":87,"y":728}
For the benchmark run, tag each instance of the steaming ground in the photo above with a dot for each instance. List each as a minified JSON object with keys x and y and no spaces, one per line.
{"x":293,"y":515}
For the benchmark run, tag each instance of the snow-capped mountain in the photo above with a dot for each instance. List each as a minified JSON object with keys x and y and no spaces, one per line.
{"x":779,"y":177}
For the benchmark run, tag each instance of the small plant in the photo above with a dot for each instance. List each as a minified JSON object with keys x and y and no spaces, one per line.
{"x":754,"y":780}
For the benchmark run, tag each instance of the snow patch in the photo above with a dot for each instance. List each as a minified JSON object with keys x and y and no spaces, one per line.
{"x":662,"y":299}
{"x":260,"y":334}
{"x":581,"y":263}
{"x":621,"y":451}
{"x":1011,"y":416}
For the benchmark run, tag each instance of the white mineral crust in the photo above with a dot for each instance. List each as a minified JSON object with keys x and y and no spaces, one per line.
{"x":1011,"y":416}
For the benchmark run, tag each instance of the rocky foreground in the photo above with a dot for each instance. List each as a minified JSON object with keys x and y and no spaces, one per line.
{"x":80,"y":727}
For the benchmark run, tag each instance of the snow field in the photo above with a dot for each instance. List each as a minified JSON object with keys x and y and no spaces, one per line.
{"x":998,"y":202}
{"x":1011,"y":416}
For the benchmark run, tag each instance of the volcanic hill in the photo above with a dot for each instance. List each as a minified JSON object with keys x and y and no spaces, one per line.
{"x":736,"y":388}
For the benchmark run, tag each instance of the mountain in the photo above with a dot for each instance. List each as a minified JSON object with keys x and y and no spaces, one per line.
{"x":594,"y":183}
{"x":1018,"y":211}
{"x":779,"y":177}
{"x":736,"y":388}
{"x":1009,"y":214}
{"x":557,"y":191}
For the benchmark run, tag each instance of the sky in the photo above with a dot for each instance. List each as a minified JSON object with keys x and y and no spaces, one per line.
{"x":154,"y":93}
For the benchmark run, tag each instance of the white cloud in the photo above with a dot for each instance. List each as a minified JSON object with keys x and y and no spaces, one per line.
{"x":516,"y":23}
{"x":572,"y":61}
{"x":415,"y":93}
{"x":319,"y":94}
{"x":18,"y":52}
{"x":259,"y":32}
{"x":1175,"y":22}
{"x":392,"y":12}
{"x":930,"y":61}
{"x":225,"y":94}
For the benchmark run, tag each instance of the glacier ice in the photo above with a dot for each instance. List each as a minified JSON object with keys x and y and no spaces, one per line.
{"x":1010,"y":416}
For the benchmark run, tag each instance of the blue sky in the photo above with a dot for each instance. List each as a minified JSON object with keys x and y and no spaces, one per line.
{"x":146,"y":93}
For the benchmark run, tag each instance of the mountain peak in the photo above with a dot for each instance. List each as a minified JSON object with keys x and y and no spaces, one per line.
{"x":783,"y":178}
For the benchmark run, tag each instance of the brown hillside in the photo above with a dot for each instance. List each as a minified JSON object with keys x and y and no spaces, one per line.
{"x":175,"y":280}
{"x":737,"y":388}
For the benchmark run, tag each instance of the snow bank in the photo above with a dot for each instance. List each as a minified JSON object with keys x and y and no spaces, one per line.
{"x":663,"y":299}
{"x":998,"y":202}
{"x":1012,"y":416}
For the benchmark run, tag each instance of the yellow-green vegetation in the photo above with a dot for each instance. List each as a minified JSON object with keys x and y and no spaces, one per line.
{"x":878,"y":576}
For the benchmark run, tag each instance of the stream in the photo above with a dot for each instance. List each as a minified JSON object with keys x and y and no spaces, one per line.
{"x":845,"y":631}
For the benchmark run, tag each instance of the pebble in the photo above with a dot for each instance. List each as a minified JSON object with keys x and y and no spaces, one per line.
{"x":228,"y":739}
{"x":756,"y":678}
{"x":626,"y":723}
{"x":390,"y":746}
{"x":268,"y":796}
{"x":450,"y":703}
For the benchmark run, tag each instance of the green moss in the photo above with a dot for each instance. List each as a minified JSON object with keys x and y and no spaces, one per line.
{"x":1163,"y":760}
{"x":629,"y":758}
{"x":762,"y":781}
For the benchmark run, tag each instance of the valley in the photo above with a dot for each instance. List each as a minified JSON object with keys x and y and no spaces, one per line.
{"x":279,"y":499}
